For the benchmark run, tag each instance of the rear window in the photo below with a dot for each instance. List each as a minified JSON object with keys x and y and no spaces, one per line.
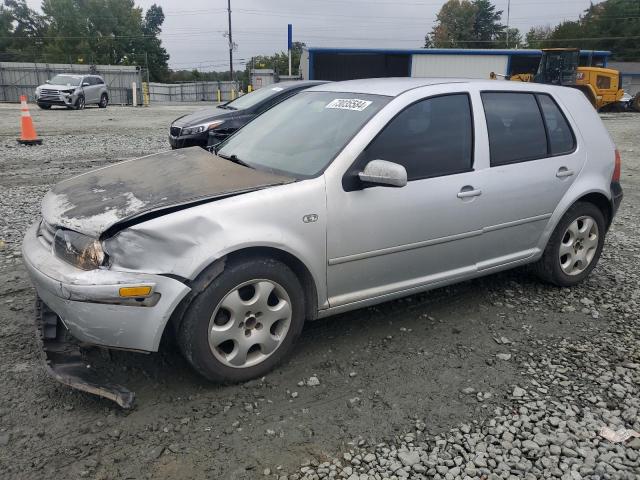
{"x":561,"y":138}
{"x":516,"y":129}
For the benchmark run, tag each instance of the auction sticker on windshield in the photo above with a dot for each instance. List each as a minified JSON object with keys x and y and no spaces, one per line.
{"x":349,"y":104}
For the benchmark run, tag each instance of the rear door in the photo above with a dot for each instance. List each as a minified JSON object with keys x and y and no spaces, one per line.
{"x":534,"y":158}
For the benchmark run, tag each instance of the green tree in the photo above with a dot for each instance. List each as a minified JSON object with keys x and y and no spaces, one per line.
{"x":157,"y":57}
{"x":610,"y":25}
{"x":486,"y":24}
{"x":26,"y":27}
{"x":536,"y":35}
{"x":85,"y":31}
{"x":454,"y":25}
{"x":515,"y":39}
{"x":279,"y":62}
{"x":468,"y":24}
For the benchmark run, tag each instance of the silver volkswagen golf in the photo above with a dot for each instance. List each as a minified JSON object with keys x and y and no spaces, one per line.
{"x":346,"y":195}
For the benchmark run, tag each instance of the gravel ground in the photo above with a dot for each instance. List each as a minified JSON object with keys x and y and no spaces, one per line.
{"x":502,"y":377}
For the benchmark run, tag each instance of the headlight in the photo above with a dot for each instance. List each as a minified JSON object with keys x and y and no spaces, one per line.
{"x":68,"y":91}
{"x":201,"y":128}
{"x":79,"y":250}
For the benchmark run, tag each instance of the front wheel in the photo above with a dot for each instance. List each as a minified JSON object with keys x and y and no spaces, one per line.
{"x":574,"y":247}
{"x":245,"y":322}
{"x":104,"y":100}
{"x":79,"y":103}
{"x":44,"y":107}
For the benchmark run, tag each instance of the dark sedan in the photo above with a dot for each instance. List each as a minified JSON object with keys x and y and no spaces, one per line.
{"x":212,"y":125}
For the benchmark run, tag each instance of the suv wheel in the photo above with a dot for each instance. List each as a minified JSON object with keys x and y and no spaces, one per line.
{"x":44,"y":107}
{"x":80,"y":103}
{"x":574,"y":247}
{"x":244,"y":322}
{"x":104,"y":100}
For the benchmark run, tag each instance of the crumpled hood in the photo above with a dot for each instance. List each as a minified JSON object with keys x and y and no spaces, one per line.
{"x":95,"y":201}
{"x":204,"y":115}
{"x":50,"y":86}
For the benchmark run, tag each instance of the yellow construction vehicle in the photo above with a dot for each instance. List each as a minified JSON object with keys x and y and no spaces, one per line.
{"x":560,"y":66}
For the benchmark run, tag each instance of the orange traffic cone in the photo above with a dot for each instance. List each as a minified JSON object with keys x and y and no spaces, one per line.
{"x":27,"y":131}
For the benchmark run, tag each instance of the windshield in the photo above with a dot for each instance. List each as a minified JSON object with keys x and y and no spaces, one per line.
{"x":66,"y":80}
{"x":253,"y":98}
{"x":303,"y":134}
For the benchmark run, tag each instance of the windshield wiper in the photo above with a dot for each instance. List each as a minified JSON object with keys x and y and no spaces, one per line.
{"x":235,"y":159}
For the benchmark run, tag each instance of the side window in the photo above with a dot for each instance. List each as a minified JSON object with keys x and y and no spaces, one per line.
{"x":516,"y":130}
{"x":430,"y":138}
{"x":561,"y":139}
{"x":99,"y":81}
{"x":603,"y":82}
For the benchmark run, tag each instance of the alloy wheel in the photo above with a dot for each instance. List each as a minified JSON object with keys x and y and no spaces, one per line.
{"x":578,"y":245}
{"x":250,"y":323}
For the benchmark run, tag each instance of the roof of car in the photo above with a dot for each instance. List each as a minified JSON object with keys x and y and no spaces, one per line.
{"x":298,"y":83}
{"x":393,"y":87}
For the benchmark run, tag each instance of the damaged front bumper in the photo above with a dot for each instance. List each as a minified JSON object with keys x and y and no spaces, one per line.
{"x":88,"y":305}
{"x":63,"y":360}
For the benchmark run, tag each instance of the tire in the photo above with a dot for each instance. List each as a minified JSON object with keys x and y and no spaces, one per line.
{"x":80,"y":103}
{"x":44,"y":107}
{"x":104,"y":101}
{"x":242,"y":345}
{"x":580,"y":252}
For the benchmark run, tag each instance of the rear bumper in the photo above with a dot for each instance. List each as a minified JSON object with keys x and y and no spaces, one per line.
{"x":88,"y":302}
{"x":616,"y":197}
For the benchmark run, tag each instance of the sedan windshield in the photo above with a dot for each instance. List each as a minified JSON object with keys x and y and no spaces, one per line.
{"x":302,"y":135}
{"x":66,"y":80}
{"x":253,"y":98}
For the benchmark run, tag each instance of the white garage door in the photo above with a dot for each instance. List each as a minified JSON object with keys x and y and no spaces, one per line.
{"x":465,"y":66}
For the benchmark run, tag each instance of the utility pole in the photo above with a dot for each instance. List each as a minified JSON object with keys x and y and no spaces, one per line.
{"x":289,"y":44}
{"x":508,"y":15}
{"x":230,"y":41}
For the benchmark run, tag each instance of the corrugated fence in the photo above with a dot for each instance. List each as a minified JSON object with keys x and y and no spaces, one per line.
{"x":22,"y":79}
{"x":192,"y":91}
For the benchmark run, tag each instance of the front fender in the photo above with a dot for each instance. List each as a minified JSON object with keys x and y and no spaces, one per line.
{"x":184,"y":243}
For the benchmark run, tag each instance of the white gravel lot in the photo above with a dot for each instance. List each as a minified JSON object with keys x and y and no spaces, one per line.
{"x":498,"y":378}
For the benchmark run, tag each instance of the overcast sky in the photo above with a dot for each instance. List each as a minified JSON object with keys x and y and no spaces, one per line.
{"x":193,"y":30}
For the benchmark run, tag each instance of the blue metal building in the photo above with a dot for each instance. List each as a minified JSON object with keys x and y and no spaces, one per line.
{"x":349,"y":63}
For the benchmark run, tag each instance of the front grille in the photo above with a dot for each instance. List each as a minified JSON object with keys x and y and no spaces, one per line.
{"x":49,"y":93}
{"x":175,"y":131}
{"x":46,"y":233}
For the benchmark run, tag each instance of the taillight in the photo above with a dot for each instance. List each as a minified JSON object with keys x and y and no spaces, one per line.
{"x":616,"y":169}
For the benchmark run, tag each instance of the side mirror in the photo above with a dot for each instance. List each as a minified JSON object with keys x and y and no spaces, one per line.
{"x":47,"y":81}
{"x":85,"y":84}
{"x":383,"y":173}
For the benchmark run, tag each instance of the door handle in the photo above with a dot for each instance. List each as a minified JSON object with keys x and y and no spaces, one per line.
{"x":564,"y":172}
{"x":469,"y":191}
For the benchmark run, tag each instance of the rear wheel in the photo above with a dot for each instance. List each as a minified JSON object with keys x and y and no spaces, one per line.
{"x":104,"y":100}
{"x":245,"y":322}
{"x":574,"y":247}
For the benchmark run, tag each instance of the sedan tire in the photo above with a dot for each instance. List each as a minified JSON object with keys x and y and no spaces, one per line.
{"x":574,"y":247}
{"x":104,"y":101}
{"x":244,"y":322}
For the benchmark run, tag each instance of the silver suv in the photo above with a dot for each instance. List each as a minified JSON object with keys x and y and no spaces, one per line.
{"x":343,"y":196}
{"x":73,"y":91}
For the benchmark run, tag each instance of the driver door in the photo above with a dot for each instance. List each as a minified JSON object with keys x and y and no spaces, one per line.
{"x":383,"y":240}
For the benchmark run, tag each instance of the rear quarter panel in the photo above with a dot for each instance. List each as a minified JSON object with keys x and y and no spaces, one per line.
{"x":595,"y":176}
